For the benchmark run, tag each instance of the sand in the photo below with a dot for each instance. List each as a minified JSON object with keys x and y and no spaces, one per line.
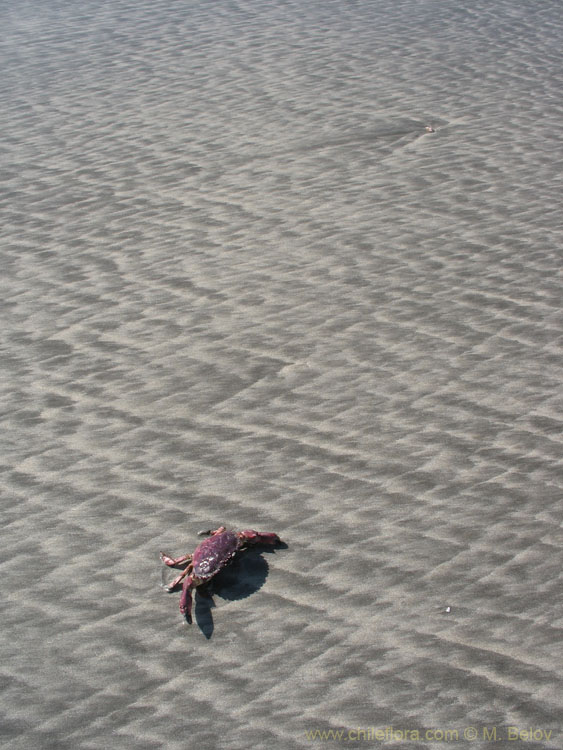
{"x":242,"y":284}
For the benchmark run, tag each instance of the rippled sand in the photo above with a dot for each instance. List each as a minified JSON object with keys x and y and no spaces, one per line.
{"x":242,"y":284}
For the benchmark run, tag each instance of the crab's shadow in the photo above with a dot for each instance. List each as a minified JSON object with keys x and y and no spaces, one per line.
{"x":242,"y":577}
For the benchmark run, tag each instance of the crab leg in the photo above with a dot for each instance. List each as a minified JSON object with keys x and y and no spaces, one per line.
{"x":171,"y":561}
{"x":210,"y":532}
{"x":183,"y":574}
{"x":186,"y":598}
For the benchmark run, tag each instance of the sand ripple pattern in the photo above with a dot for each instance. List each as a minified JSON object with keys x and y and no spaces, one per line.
{"x":241,"y":283}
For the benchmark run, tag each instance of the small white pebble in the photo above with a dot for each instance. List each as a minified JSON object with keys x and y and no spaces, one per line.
{"x":448,"y":609}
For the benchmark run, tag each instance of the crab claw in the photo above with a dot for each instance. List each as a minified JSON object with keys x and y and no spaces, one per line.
{"x":259,"y":537}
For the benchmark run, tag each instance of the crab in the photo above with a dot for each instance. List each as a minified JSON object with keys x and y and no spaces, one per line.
{"x":209,"y":557}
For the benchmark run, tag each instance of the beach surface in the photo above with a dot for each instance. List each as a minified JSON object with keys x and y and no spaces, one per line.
{"x":243,"y":284}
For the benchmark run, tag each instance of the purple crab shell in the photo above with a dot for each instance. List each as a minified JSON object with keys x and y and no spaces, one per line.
{"x":214,"y":553}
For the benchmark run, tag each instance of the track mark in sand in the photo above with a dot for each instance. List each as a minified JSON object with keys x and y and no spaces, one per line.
{"x":390,"y":136}
{"x":384,"y":137}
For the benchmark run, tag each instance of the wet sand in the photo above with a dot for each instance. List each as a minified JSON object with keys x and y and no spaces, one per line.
{"x":242,"y":284}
